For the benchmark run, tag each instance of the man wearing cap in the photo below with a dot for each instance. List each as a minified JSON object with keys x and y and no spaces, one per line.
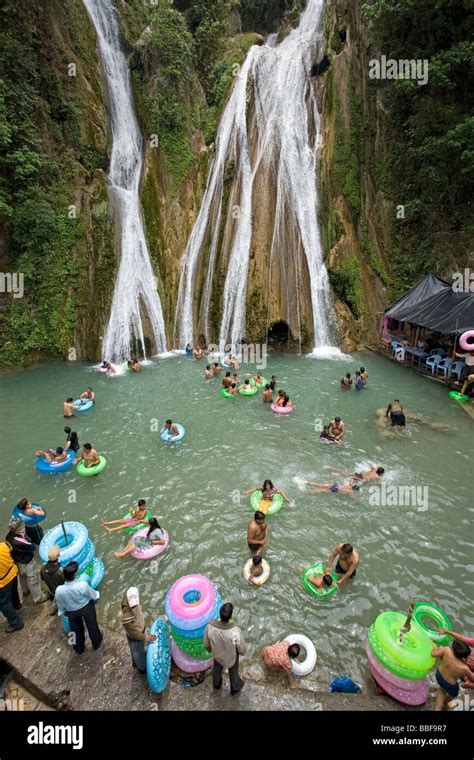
{"x":23,"y":553}
{"x":9,"y":601}
{"x":52,"y":575}
{"x":337,"y":427}
{"x":74,"y":599}
{"x":133,"y":621}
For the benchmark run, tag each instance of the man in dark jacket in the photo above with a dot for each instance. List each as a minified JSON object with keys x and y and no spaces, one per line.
{"x":23,"y":553}
{"x":226,"y":642}
{"x":52,"y":575}
{"x":133,"y":621}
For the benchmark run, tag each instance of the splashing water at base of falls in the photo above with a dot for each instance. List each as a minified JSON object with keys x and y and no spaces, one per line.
{"x":135,"y":291}
{"x":272,"y":145}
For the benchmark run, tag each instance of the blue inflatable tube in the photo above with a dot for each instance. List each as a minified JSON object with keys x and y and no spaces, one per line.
{"x":173,"y":438}
{"x":77,"y":536}
{"x":42,"y":465}
{"x":196,"y":633}
{"x":29,"y":519}
{"x":86,"y":557}
{"x":185,"y":625}
{"x":83,"y":405}
{"x":158,"y":657}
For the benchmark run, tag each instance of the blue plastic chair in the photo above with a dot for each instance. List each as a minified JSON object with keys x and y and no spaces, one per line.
{"x":443,"y":366}
{"x":395,"y":344}
{"x":456,"y":369}
{"x":437,"y":352}
{"x":432,"y":362}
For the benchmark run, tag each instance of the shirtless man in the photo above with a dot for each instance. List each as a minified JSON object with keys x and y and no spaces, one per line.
{"x":216,"y":370}
{"x":347,"y":563}
{"x":232,"y":362}
{"x":258,"y":379}
{"x":257,"y":533}
{"x":337,"y":427}
{"x":197,"y":352}
{"x":68,"y":407}
{"x":52,"y":455}
{"x":267,"y":393}
{"x":227,"y":380}
{"x":364,"y":374}
{"x":375,"y":473}
{"x":89,"y":456}
{"x":170,"y":428}
{"x":349,"y":487}
{"x":396,"y":414}
{"x":89,"y":394}
{"x":136,"y":515}
{"x":451,"y":669}
{"x":135,"y":366}
{"x":208,"y":373}
{"x":346,"y":381}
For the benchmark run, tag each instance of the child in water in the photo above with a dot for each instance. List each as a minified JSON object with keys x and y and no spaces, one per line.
{"x":321,"y":582}
{"x":256,"y":570}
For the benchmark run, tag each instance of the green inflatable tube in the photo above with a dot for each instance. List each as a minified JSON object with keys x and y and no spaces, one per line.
{"x":194,"y":647}
{"x":318,"y":569}
{"x":275,"y":506}
{"x":136,"y":527}
{"x":414,"y":653}
{"x":86,"y":472}
{"x":458,"y":396}
{"x":390,"y":663}
{"x":226,"y":393}
{"x":251,"y":392}
{"x":258,"y":385}
{"x":424,"y":610}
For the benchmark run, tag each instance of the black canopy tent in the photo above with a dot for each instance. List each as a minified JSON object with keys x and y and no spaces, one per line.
{"x":434,"y":305}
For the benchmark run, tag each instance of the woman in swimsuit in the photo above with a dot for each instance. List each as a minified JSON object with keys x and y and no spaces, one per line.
{"x":268,"y":492}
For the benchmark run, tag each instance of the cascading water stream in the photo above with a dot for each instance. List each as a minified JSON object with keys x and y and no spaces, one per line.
{"x":135,"y":293}
{"x":274,"y":148}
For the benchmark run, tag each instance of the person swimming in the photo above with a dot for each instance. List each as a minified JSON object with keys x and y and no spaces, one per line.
{"x":396,"y":414}
{"x":68,"y":407}
{"x":351,"y":487}
{"x":267,"y":394}
{"x":346,"y":381}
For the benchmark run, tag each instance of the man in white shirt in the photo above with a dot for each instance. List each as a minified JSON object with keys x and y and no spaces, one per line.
{"x":74,"y":599}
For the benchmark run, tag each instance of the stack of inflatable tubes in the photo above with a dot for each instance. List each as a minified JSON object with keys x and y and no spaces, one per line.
{"x":76,"y":546}
{"x":400,"y":667}
{"x":191,"y":603}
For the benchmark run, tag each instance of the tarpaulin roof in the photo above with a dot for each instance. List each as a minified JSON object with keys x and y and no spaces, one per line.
{"x":433,"y":304}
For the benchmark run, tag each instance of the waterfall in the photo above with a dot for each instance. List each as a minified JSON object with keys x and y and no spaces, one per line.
{"x":270,"y":134}
{"x":135,"y":293}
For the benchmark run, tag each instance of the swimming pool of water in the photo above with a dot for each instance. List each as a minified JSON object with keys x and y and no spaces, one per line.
{"x":193,"y":488}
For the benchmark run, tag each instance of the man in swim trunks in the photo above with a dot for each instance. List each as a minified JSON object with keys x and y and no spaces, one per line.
{"x":375,"y":473}
{"x":467,"y":640}
{"x":396,"y":414}
{"x":347,"y":563}
{"x":89,"y":456}
{"x":170,"y":428}
{"x":72,"y":441}
{"x":88,"y":394}
{"x":337,"y":427}
{"x":350,"y":487}
{"x":257,"y":533}
{"x":52,"y":455}
{"x":227,"y":380}
{"x":68,"y":407}
{"x":208,"y":373}
{"x":267,"y":393}
{"x":136,"y":515}
{"x":451,"y":669}
{"x":216,"y":370}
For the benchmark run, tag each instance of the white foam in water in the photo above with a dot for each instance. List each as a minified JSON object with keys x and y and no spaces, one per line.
{"x":135,"y":286}
{"x":329,"y":352}
{"x":279,"y":146}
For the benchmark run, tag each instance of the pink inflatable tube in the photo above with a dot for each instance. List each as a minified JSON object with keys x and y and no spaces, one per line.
{"x":154,"y":550}
{"x":282,"y":409}
{"x":189,"y":609}
{"x":406,"y":684}
{"x":187,"y":663}
{"x":466,"y":341}
{"x":412,"y":698}
{"x":103,"y":370}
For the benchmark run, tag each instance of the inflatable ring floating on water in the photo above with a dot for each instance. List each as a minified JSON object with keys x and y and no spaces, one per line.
{"x":226,"y":393}
{"x":318,"y":569}
{"x":390,"y":663}
{"x":307,"y":666}
{"x":29,"y":519}
{"x":458,"y":396}
{"x":87,"y":472}
{"x":424,"y":610}
{"x":136,"y":526}
{"x":406,"y":684}
{"x":158,"y":657}
{"x":194,"y":647}
{"x":77,"y":537}
{"x":466,"y":341}
{"x":260,"y":579}
{"x":415,"y":652}
{"x":282,"y":409}
{"x":42,"y":464}
{"x":189,"y":664}
{"x":276,"y":504}
{"x":252,"y":391}
{"x":174,"y":438}
{"x":152,"y":550}
{"x":192,"y":602}
{"x":81,"y":405}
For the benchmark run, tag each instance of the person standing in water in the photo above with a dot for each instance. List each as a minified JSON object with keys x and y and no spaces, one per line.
{"x":337,"y":428}
{"x":396,"y":414}
{"x":208,"y":373}
{"x":267,"y":394}
{"x":347,"y":563}
{"x":359,"y":383}
{"x":72,"y":440}
{"x":346,"y":381}
{"x":68,"y":407}
{"x":257,"y":533}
